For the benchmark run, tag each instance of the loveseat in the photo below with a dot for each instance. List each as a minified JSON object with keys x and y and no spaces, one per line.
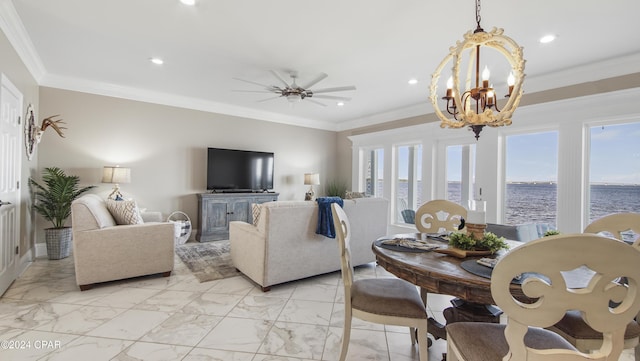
{"x":104,"y":251}
{"x":283,"y":245}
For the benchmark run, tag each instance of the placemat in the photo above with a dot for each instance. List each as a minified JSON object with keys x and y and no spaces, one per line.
{"x":472,"y":266}
{"x":399,"y":248}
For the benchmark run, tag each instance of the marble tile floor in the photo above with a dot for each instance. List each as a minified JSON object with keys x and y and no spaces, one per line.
{"x":44,"y":316}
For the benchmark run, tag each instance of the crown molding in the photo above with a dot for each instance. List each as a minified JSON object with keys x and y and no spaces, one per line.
{"x":11,"y":25}
{"x":155,"y":97}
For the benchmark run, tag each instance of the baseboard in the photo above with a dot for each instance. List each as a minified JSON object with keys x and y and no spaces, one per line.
{"x":41,"y":250}
{"x":24,"y":262}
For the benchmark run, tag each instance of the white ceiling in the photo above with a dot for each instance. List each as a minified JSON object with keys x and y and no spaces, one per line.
{"x":104,"y":47}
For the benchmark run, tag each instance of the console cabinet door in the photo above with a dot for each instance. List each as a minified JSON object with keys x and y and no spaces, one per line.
{"x":215,"y":215}
{"x":240,"y":209}
{"x":216,"y":210}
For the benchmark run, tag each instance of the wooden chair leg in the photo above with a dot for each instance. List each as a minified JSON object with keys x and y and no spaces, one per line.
{"x":423,"y":342}
{"x":346,"y":335}
{"x":86,"y":287}
{"x":166,"y":274}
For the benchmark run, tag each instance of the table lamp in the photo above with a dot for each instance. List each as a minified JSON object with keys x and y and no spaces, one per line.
{"x":116,"y":175}
{"x":310,"y":179}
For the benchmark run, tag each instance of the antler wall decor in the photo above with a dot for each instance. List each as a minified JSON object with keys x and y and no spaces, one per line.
{"x":33,"y":132}
{"x":54,"y":124}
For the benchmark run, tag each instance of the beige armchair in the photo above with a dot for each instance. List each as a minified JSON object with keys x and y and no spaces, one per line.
{"x":104,"y":251}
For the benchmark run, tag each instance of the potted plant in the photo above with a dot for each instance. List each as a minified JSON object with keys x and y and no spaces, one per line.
{"x":336,"y":188}
{"x":489,"y":242}
{"x":53,"y":202}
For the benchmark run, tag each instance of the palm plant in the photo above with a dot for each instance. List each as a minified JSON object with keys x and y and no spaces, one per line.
{"x":336,"y":188}
{"x":53,"y":199}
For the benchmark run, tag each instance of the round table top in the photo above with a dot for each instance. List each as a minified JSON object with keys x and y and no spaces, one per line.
{"x":437,"y":273}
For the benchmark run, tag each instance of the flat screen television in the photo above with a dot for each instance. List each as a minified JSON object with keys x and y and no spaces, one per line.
{"x":233,"y":170}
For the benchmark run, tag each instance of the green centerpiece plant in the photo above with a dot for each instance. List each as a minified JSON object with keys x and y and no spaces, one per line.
{"x":52,"y":200}
{"x":490,"y":242}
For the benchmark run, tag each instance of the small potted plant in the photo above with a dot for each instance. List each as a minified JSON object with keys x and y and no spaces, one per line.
{"x":490,"y":242}
{"x":53,"y":202}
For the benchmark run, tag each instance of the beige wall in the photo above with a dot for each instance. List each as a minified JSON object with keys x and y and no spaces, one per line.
{"x":166,"y":147}
{"x":13,"y":68}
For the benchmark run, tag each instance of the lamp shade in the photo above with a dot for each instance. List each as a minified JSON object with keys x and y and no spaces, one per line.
{"x":311,"y":178}
{"x":111,"y":174}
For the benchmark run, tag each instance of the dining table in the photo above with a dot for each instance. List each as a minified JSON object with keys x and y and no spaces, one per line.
{"x":443,"y":273}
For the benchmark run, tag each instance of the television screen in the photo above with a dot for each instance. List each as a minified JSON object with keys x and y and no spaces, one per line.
{"x":239,"y":170}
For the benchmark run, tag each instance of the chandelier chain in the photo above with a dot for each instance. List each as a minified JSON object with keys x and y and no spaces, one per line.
{"x":478,"y":17}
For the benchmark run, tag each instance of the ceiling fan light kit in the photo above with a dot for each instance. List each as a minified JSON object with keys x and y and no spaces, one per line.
{"x":295,"y":93}
{"x":477,"y":106}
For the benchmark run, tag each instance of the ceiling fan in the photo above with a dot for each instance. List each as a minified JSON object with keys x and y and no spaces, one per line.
{"x":295,"y":93}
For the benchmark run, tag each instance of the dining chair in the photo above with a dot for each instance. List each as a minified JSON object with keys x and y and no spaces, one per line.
{"x":571,"y":326}
{"x":439,"y":215}
{"x":539,"y":266}
{"x":389,"y":301}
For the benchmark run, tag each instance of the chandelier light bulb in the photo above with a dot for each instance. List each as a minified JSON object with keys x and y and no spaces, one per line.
{"x":511,"y":79}
{"x":450,"y":82}
{"x":486,"y":73}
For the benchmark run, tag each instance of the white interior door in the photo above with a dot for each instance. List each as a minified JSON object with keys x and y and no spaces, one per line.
{"x":10,"y":147}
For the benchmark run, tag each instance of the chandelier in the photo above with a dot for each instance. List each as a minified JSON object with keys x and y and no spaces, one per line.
{"x":477,"y":106}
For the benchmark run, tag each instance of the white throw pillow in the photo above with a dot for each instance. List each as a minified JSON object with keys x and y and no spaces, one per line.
{"x":124,"y":212}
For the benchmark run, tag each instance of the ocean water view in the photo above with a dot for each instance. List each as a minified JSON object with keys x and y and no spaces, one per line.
{"x":536,"y":202}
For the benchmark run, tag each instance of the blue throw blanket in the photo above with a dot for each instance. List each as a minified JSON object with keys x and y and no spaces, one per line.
{"x":325,"y":219}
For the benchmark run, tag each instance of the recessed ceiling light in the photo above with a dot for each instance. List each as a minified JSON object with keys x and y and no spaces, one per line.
{"x":188,"y":2}
{"x":340,"y":104}
{"x":157,"y":61}
{"x":413,"y":81}
{"x":547,"y":39}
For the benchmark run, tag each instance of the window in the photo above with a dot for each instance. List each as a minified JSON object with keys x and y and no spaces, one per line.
{"x":408,"y":187}
{"x":460,"y":173}
{"x":373,"y":169}
{"x":531,"y":178}
{"x":614,"y":169}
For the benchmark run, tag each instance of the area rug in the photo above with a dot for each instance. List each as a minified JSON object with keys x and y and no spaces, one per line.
{"x":208,"y":261}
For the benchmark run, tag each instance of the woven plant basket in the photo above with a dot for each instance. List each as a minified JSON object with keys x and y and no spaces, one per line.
{"x":58,"y":242}
{"x":182,"y":222}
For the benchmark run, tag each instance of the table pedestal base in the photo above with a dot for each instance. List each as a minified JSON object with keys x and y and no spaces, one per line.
{"x":463,"y":311}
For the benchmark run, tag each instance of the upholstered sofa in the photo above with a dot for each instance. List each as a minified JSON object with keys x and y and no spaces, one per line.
{"x":104,"y":251}
{"x":283,"y":245}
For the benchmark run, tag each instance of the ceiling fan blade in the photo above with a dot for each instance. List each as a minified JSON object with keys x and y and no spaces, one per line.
{"x":254,"y":83}
{"x":314,"y":81}
{"x":314,"y":102}
{"x":332,"y":97}
{"x":264,"y":100}
{"x":336,"y":89}
{"x":256,"y":91}
{"x":277,"y":75}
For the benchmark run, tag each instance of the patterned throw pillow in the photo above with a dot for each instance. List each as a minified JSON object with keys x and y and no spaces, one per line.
{"x":124,"y":212}
{"x":353,"y":195}
{"x":256,"y":209}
